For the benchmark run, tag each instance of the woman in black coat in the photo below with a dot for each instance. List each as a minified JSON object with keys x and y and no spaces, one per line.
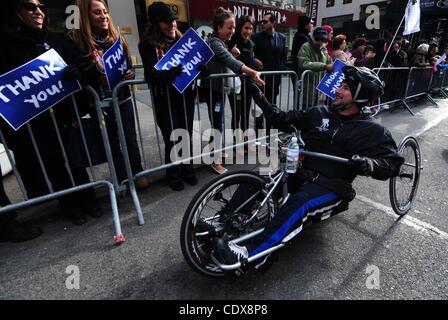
{"x":172,"y":109}
{"x":27,"y":39}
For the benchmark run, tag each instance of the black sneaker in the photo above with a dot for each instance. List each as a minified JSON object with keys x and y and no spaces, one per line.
{"x":94,"y":212}
{"x":78,"y":218}
{"x":176,"y":184}
{"x":228,"y":252}
{"x":16,"y":232}
{"x":192,"y":180}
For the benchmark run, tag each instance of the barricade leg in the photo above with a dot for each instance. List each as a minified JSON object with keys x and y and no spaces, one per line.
{"x":127,"y":162}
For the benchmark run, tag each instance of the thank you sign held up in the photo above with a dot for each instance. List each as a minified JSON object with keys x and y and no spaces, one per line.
{"x":115,"y":64}
{"x":331,"y":82}
{"x":33,"y":88}
{"x":191,"y":52}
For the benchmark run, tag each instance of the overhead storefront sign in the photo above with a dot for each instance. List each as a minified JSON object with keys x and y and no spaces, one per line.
{"x":204,"y":10}
{"x":179,"y":7}
{"x":311,"y":8}
{"x":434,"y":7}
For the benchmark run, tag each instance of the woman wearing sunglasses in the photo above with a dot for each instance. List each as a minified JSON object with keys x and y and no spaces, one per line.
{"x":27,"y":37}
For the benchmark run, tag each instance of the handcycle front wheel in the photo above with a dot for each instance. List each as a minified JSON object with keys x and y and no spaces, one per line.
{"x":403,"y":188}
{"x":223,"y":208}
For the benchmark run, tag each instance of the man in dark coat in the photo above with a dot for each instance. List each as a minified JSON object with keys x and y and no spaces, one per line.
{"x":304,"y":26}
{"x":342,"y":130}
{"x":270,"y":49}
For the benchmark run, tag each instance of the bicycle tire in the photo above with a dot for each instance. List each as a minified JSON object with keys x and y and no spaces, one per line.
{"x":197,"y":253}
{"x":410,"y":170}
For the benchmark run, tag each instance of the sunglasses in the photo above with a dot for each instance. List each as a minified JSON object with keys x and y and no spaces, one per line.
{"x":32,"y":7}
{"x":265,"y":21}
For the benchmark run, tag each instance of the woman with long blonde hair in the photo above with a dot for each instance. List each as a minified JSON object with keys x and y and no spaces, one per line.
{"x":95,"y":36}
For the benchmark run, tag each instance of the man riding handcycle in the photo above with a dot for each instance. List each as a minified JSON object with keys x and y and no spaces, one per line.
{"x":320,"y":188}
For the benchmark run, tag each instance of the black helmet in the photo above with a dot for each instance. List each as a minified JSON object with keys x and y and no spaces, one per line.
{"x":365,"y":85}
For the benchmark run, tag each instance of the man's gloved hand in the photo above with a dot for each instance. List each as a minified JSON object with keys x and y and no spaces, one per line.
{"x":363,"y":166}
{"x":306,"y":175}
{"x":260,"y":99}
{"x":71,"y":72}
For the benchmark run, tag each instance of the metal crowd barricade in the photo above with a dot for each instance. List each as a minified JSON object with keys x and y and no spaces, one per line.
{"x":309,"y":96}
{"x":445,"y":81}
{"x":287,"y":101}
{"x":395,"y":83}
{"x":73,"y":188}
{"x":419,"y":84}
{"x":437,"y":84}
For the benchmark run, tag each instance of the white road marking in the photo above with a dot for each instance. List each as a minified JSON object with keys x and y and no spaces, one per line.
{"x":412,"y":222}
{"x":431,"y":124}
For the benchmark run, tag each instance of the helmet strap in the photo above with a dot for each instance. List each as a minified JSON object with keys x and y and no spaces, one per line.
{"x":355,"y":96}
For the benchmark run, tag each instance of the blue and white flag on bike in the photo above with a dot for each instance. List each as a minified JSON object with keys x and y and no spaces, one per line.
{"x":33,"y":88}
{"x":115,"y":64}
{"x":191,"y":52}
{"x":331,"y":82}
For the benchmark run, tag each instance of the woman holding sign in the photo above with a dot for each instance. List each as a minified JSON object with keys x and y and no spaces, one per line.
{"x":27,"y":40}
{"x":172,"y":109}
{"x":223,"y":30}
{"x":94,"y":37}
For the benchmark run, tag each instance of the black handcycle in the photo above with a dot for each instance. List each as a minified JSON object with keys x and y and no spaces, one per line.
{"x":213,"y":212}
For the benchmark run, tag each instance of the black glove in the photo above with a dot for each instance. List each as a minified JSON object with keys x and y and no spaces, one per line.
{"x":306,"y":175}
{"x":165,"y":76}
{"x":71,"y":73}
{"x":203,"y":71}
{"x":363,"y":166}
{"x":260,"y":99}
{"x":173,"y":73}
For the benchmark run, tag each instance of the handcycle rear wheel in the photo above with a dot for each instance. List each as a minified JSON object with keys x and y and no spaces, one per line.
{"x":217,"y":205}
{"x":403,"y":188}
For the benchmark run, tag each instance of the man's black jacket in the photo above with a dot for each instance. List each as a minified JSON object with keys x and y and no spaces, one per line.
{"x":273,"y":57}
{"x":325,"y":131}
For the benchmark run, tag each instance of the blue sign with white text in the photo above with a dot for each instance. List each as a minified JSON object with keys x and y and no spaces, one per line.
{"x":331,"y":82}
{"x":191,"y":52}
{"x":33,"y":88}
{"x":115,"y":64}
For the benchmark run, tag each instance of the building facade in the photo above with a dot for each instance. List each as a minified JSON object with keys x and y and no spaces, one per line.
{"x":350,"y":17}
